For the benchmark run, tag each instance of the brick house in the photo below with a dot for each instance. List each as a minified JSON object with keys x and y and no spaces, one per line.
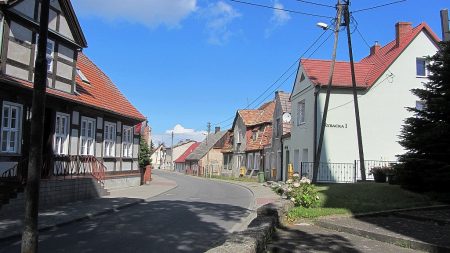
{"x":252,"y":133}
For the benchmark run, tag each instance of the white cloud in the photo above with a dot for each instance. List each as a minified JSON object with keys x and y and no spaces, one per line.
{"x":279,"y":18}
{"x":219,"y":17}
{"x":180,"y":133}
{"x":151,"y":13}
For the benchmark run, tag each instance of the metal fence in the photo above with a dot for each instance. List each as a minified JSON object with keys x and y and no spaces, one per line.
{"x":330,"y":172}
{"x":342,"y":172}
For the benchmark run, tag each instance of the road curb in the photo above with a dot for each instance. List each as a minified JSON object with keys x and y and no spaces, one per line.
{"x":88,"y":216}
{"x":259,"y":231}
{"x":402,"y":242}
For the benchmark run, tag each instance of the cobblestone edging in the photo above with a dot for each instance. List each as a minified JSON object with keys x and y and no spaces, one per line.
{"x":256,"y":236}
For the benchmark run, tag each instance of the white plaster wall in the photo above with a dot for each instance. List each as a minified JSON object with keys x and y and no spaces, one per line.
{"x":26,"y":7}
{"x":302,"y":136}
{"x":382,"y":109}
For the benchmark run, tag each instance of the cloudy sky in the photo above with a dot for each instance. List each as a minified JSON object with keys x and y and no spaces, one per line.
{"x":184,"y":63}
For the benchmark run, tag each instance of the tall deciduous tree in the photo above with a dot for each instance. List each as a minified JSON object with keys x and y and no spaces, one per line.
{"x":426,"y":136}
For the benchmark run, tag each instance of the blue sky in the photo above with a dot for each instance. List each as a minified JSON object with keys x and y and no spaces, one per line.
{"x":184,"y":63}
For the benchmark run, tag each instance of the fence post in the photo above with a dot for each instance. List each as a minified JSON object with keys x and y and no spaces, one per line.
{"x":356,"y":174}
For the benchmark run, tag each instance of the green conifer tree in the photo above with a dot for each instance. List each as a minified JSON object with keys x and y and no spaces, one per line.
{"x":426,"y":136}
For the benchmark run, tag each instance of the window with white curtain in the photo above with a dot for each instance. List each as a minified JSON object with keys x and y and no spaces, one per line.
{"x":61,"y":139}
{"x":127,"y":141}
{"x":87,"y":136}
{"x":301,"y":112}
{"x":11,"y":127}
{"x":110,"y":139}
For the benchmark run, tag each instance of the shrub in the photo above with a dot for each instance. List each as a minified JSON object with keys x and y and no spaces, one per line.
{"x":299,"y":191}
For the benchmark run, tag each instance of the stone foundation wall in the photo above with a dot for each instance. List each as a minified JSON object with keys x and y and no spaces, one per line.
{"x":55,"y":192}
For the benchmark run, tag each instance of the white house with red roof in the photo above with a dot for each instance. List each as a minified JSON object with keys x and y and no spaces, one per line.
{"x":89,"y":123}
{"x":384,"y":81}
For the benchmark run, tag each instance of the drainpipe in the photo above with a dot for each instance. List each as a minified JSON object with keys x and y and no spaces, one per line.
{"x":281,"y":159}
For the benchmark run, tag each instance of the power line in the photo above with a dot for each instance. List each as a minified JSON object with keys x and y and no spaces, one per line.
{"x":378,"y":6}
{"x":279,"y":78}
{"x":281,"y":9}
{"x":318,"y":4}
{"x":367,"y":44}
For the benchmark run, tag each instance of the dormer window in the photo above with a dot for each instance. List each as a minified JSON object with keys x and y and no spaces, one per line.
{"x":82,"y":76}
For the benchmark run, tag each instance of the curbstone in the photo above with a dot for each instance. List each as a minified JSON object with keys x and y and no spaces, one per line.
{"x":259,"y":232}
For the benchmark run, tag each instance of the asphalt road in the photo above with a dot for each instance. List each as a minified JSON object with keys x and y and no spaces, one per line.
{"x":194,"y":217}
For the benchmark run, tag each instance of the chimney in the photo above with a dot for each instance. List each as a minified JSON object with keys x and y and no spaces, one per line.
{"x":375,"y":48}
{"x":217,"y":130}
{"x":402,"y":28}
{"x":445,"y":25}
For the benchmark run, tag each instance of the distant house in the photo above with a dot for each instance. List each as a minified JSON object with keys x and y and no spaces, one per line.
{"x":252,"y":132}
{"x":207,"y":157}
{"x":180,"y":162}
{"x":278,"y":158}
{"x":158,"y":157}
{"x":384,"y":81}
{"x":173,"y":153}
{"x":227,"y":152}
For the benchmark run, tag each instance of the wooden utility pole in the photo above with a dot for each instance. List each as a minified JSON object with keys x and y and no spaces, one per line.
{"x":171,"y":157}
{"x":35,"y":161}
{"x":207,"y":154}
{"x":327,"y":99}
{"x":355,"y":93}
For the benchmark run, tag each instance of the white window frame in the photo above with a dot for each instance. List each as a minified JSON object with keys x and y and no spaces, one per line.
{"x":109,"y":140}
{"x":127,"y":141}
{"x":61,"y":139}
{"x":17,"y":130}
{"x":87,"y":143}
{"x":301,"y":109}
{"x":50,"y":56}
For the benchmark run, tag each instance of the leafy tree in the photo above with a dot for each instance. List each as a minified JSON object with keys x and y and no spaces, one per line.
{"x":144,"y":154}
{"x":426,"y":136}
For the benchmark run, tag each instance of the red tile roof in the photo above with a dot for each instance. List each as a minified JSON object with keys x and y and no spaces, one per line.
{"x":186,"y":153}
{"x":228,"y":144}
{"x":100,"y":93}
{"x":263,"y":114}
{"x":264,"y":137}
{"x":369,"y":69}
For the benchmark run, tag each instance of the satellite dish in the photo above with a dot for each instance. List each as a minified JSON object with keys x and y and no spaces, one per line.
{"x":287,"y":117}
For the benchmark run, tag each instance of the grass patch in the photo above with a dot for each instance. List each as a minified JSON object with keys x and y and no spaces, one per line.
{"x":239,"y":179}
{"x":361,"y":198}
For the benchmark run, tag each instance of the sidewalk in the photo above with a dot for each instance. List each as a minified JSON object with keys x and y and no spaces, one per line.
{"x":421,"y":229}
{"x":311,"y":238}
{"x":11,"y":227}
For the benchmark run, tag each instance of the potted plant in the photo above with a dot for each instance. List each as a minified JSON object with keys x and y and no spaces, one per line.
{"x":380,"y":173}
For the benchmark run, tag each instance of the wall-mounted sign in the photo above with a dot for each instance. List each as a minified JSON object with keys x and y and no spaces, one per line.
{"x":337,"y":125}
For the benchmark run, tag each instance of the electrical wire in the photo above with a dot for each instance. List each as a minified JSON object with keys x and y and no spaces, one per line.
{"x":278,"y":79}
{"x":281,"y":9}
{"x":379,"y":6}
{"x":318,"y":4}
{"x":367,"y":44}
